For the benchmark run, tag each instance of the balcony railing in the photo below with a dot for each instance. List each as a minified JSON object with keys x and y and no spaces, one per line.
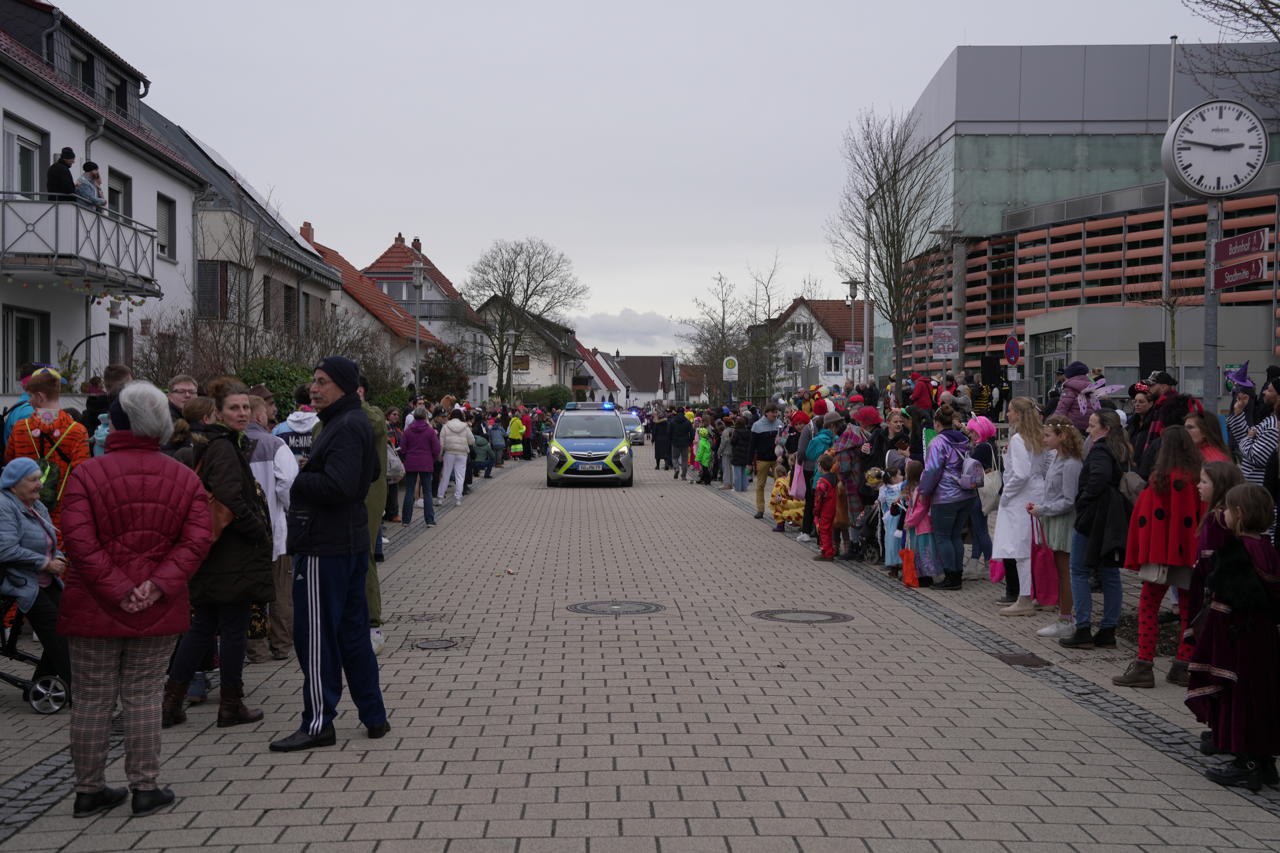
{"x":44,"y":233}
{"x":434,"y":309}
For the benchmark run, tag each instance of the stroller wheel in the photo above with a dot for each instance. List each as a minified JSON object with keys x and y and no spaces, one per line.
{"x":48,"y":694}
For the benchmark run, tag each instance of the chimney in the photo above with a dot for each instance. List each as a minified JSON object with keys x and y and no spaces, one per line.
{"x":399,"y":239}
{"x":307,"y":232}
{"x":417,"y":245}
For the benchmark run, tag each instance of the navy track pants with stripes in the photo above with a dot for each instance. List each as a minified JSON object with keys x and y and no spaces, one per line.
{"x":331,"y":636}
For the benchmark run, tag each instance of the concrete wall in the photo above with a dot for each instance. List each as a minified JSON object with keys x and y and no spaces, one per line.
{"x":1107,"y":336}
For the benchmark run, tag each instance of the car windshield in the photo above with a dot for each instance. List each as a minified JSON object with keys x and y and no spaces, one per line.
{"x":630,"y":421}
{"x":589,"y":426}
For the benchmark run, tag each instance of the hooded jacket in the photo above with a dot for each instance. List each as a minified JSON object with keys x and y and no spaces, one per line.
{"x":420,"y":447}
{"x":327,"y":515}
{"x":1069,"y":401}
{"x":456,"y":437}
{"x":942,"y":464}
{"x":274,"y":467}
{"x":764,"y":436}
{"x":298,"y":433}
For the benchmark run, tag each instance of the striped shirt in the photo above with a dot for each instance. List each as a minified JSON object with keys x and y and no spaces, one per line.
{"x":1256,"y":450}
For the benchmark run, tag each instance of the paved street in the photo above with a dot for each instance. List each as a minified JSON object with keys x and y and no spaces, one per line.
{"x":696,"y":728}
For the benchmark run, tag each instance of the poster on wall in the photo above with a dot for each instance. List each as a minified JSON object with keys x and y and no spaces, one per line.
{"x":946,"y":340}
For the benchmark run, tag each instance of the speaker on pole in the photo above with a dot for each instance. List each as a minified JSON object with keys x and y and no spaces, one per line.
{"x":991,"y":370}
{"x":1150,"y":357}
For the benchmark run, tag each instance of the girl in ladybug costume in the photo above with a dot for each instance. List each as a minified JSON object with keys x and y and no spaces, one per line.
{"x":1162,"y":548}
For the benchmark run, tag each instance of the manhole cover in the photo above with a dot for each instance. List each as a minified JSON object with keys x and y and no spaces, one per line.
{"x":430,"y":645}
{"x":803,"y":617}
{"x":616,"y":608}
{"x":1022,"y":660}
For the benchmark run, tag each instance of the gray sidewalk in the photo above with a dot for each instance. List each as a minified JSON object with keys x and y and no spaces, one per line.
{"x":700,"y":727}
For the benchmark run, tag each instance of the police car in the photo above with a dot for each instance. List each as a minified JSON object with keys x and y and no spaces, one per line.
{"x":589,"y":445}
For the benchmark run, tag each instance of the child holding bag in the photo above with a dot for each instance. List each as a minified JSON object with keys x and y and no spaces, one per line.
{"x":1233,"y":686}
{"x":784,"y":507}
{"x":826,"y":493}
{"x":890,"y":498}
{"x":919,"y":528}
{"x":1057,"y":512}
{"x":1162,"y":548}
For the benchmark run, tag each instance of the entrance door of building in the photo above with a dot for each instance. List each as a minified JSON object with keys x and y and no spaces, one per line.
{"x":1049,"y":354}
{"x":26,"y":339}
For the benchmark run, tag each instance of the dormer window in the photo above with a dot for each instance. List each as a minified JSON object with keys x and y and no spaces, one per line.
{"x":117,"y":95}
{"x":82,"y":70}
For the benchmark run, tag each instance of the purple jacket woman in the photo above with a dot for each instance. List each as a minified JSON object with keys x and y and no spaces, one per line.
{"x":419,"y":448}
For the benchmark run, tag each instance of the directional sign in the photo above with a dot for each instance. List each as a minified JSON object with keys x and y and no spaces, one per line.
{"x":1012,"y":352}
{"x":1245,"y":272}
{"x":1241,"y":246}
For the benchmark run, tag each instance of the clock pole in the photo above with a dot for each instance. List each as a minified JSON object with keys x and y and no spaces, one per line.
{"x":1212,"y":233}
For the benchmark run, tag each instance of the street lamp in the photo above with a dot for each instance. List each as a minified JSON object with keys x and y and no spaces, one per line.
{"x":510,"y":336}
{"x":852,"y":301}
{"x":419,"y":273}
{"x":953,"y":239}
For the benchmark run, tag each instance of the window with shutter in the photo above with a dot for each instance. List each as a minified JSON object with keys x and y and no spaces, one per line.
{"x":166,"y":230}
{"x":208,"y":295}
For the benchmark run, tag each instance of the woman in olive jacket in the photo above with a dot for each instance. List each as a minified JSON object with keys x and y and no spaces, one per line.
{"x":237,"y":571}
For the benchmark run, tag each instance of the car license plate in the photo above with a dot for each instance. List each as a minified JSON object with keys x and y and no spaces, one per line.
{"x":590,"y":466}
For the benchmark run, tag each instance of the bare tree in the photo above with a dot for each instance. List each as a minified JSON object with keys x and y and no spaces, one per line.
{"x":1248,"y":55}
{"x":760,"y":358}
{"x":519,"y":279}
{"x":715,"y":331}
{"x":894,"y":194}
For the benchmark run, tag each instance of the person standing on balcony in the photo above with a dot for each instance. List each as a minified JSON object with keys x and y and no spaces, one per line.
{"x":89,"y":186}
{"x":59,"y":182}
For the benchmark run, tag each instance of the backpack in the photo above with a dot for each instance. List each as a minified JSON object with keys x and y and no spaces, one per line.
{"x":51,"y":480}
{"x":972,"y":474}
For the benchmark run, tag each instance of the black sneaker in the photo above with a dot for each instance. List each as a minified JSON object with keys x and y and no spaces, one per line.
{"x":758,"y":515}
{"x":953,"y":580}
{"x":1241,"y":773}
{"x":102,"y":800}
{"x":1105,"y":638}
{"x":149,"y":802}
{"x":1081,"y":639}
{"x":304,"y":740}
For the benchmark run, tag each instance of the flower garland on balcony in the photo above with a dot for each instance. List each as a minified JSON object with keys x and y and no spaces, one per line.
{"x":99,"y":296}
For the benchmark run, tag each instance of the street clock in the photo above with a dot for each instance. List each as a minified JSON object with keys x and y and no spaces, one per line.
{"x":1215,"y":149}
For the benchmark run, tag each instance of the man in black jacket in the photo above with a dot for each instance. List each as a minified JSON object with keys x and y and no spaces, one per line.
{"x":329,"y":541}
{"x":58,"y":180}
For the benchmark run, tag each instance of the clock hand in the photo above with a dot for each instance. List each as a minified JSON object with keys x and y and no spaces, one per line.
{"x":1201,"y":144}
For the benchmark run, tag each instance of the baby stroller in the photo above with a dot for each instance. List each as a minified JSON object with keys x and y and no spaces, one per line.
{"x":47,"y":694}
{"x":866,"y":535}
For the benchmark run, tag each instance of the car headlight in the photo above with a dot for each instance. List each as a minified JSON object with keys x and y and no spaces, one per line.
{"x":557,"y":455}
{"x":623,"y":452}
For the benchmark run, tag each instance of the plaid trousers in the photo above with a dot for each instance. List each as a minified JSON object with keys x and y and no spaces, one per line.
{"x":102,"y":669}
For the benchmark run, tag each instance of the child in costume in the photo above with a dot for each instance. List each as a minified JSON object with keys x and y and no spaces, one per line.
{"x":1232,"y":681}
{"x":919,"y":528}
{"x":784,"y":507}
{"x":824,"y":506}
{"x":890,"y":498}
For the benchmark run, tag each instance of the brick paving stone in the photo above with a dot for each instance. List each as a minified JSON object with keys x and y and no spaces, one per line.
{"x":697,"y":728}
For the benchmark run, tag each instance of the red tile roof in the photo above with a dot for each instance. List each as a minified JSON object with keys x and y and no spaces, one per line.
{"x":694,"y":378}
{"x":833,"y":315}
{"x":602,"y":376}
{"x":399,"y":257}
{"x":364,"y":290}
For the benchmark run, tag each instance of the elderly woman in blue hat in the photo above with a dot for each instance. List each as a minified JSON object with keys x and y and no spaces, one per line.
{"x":31,"y":566}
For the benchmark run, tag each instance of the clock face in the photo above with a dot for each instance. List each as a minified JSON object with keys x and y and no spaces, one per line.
{"x":1215,"y":149}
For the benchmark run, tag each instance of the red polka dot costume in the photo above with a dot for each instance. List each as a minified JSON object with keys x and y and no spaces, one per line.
{"x":1163,"y":531}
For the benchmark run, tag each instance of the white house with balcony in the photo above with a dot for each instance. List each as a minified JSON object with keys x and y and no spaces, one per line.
{"x":76,"y":278}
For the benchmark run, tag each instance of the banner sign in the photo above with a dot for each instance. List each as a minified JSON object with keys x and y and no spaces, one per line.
{"x":946,"y":340}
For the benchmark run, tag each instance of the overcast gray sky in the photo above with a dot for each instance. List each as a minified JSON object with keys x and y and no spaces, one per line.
{"x":655,"y":144}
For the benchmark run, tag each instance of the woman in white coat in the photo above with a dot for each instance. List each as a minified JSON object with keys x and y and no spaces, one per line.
{"x":1025,"y":465}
